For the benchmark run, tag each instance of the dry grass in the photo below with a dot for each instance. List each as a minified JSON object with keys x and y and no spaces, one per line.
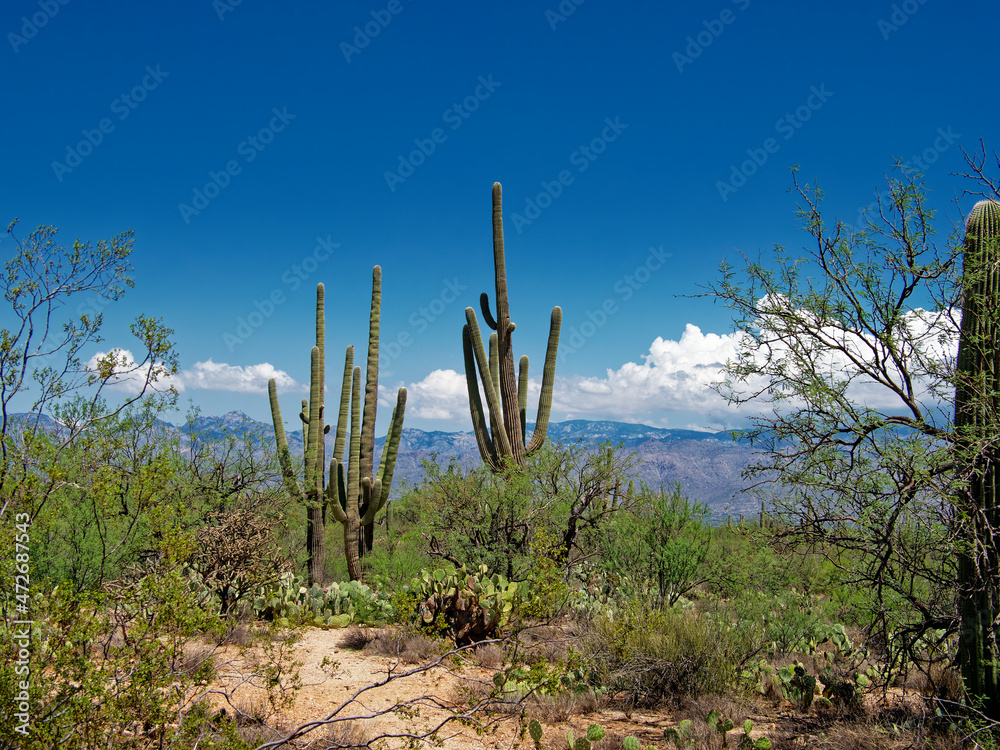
{"x":355,"y":638}
{"x":553,"y":709}
{"x":345,"y":734}
{"x":407,"y":646}
{"x":251,"y":708}
{"x":238,"y":634}
{"x":488,"y":656}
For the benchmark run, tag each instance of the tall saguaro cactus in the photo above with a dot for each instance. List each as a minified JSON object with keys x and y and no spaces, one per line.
{"x":504,"y":441}
{"x":353,"y":494}
{"x":977,"y":424}
{"x":313,"y":432}
{"x":363,"y":492}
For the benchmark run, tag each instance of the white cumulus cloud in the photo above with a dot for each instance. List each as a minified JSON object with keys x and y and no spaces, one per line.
{"x":673,"y":376}
{"x":219,"y":376}
{"x":441,"y":395}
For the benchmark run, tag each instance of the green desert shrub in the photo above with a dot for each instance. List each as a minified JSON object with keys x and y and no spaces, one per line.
{"x":644,"y":657}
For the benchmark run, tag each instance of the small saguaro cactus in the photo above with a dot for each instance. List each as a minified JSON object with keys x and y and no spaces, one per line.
{"x":355,"y":494}
{"x":977,"y":422}
{"x":507,"y":400}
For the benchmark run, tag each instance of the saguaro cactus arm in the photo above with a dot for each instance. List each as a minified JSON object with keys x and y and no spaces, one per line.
{"x":284,"y":455}
{"x":548,"y":383}
{"x":479,"y":426}
{"x":387,"y":464}
{"x":502,"y":446}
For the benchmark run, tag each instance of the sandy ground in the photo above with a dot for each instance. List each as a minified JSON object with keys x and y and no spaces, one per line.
{"x":365,"y":696}
{"x":371,"y":696}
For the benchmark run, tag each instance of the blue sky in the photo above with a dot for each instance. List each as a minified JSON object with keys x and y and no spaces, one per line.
{"x":258,"y":149}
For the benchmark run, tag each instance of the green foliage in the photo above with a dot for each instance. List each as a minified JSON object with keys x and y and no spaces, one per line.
{"x":845,"y":343}
{"x":645,"y":656}
{"x":337,"y":605}
{"x":132,"y":663}
{"x":656,"y":548}
{"x":472,"y":606}
{"x":542,"y":678}
{"x":552,"y":512}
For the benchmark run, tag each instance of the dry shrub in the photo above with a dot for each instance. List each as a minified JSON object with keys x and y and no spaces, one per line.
{"x":549,"y":642}
{"x":871,"y":736}
{"x":405,"y":645}
{"x":195,"y":656}
{"x":648,"y":657}
{"x":237,"y":634}
{"x":488,"y":656}
{"x":558,"y":708}
{"x":251,"y":708}
{"x":346,"y":734}
{"x":355,"y":638}
{"x":259,"y":734}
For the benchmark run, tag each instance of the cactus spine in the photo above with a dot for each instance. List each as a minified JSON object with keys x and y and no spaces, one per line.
{"x":976,"y":424}
{"x":355,"y":494}
{"x":506,"y":398}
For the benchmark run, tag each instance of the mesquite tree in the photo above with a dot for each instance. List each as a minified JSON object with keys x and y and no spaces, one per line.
{"x":847,"y":360}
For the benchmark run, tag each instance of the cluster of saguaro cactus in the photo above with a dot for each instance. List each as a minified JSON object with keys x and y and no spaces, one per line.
{"x":353,"y":496}
{"x":503,"y":443}
{"x":977,"y":417}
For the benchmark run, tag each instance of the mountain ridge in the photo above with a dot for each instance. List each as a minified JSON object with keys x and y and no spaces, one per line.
{"x":707,"y":465}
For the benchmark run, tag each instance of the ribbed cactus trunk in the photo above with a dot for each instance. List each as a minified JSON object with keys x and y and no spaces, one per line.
{"x":355,"y":493}
{"x":312,"y":493}
{"x":977,"y":425}
{"x":502,"y":443}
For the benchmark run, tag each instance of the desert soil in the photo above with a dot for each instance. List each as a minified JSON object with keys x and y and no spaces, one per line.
{"x":347,"y":684}
{"x":332,"y":677}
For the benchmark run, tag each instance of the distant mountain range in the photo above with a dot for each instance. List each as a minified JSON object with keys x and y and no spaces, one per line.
{"x":708,"y":465}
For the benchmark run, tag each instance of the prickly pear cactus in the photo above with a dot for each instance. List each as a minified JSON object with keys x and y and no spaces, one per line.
{"x":473,"y":605}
